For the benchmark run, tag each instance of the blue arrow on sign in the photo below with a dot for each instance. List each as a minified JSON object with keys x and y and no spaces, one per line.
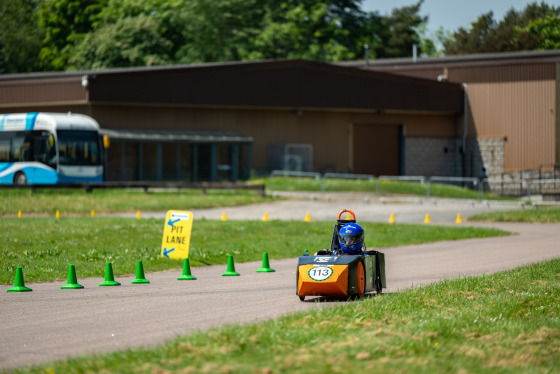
{"x":166,"y":252}
{"x":171,"y":223}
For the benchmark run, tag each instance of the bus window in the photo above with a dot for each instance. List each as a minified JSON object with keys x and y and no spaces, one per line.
{"x":4,"y":148}
{"x":78,"y":147}
{"x":21,"y":147}
{"x":42,"y":150}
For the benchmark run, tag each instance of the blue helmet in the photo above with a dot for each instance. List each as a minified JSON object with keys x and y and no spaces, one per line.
{"x":351,"y":238}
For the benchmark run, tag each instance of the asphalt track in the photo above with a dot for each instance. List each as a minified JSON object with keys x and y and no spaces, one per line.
{"x":49,"y":324}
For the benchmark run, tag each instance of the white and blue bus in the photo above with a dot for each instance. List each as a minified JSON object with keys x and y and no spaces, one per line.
{"x":49,"y":148}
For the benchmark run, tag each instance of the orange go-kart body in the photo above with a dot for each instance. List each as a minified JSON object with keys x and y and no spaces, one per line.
{"x":332,"y":273}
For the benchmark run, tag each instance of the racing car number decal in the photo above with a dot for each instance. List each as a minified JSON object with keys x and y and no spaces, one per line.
{"x":320,"y":273}
{"x":326,"y":259}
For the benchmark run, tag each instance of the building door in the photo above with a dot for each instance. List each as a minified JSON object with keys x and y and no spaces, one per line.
{"x":376,"y":149}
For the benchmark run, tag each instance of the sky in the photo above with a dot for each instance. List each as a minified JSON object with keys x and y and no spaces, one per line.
{"x":452,"y":14}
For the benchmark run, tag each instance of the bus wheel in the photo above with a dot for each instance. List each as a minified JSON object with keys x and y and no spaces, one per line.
{"x":20,"y":178}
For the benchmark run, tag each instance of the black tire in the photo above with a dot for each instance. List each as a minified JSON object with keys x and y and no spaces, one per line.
{"x":20,"y":178}
{"x":301,"y":298}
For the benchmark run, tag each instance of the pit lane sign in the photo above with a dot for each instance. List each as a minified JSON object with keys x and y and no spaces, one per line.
{"x":176,"y":234}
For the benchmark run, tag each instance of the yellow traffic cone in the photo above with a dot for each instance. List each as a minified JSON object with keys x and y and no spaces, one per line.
{"x":92,"y":213}
{"x":348,"y":216}
{"x":392,"y":218}
{"x":57,"y":214}
{"x":265,"y":217}
{"x":307,"y":217}
{"x":458,"y":220}
{"x":19,"y":214}
{"x":427,"y":219}
{"x":138,"y":214}
{"x":224,"y":216}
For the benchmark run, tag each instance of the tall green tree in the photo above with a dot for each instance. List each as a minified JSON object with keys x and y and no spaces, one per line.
{"x":399,"y":31}
{"x":65,"y":23}
{"x":510,"y":34}
{"x":131,"y":41}
{"x":20,"y":36}
{"x":548,"y":30}
{"x":305,"y":30}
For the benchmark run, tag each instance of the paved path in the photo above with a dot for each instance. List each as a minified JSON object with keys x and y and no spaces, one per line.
{"x":48,"y":323}
{"x":367,"y":208}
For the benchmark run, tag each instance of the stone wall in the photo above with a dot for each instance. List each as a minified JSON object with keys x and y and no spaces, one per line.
{"x":431,"y":156}
{"x":488,"y":153}
{"x":442,"y":157}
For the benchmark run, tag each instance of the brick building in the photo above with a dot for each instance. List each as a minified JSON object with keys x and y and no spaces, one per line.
{"x":217,"y":121}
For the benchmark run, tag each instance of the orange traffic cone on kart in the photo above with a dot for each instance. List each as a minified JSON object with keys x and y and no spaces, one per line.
{"x":230,"y":272}
{"x":19,"y":284}
{"x":265,"y":265}
{"x":186,"y":271}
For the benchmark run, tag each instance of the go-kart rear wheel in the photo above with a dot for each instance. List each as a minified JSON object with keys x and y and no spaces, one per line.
{"x":361,"y":281}
{"x":301,"y":298}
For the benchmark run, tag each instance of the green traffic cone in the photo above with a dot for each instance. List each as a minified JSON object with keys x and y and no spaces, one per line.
{"x":109,"y":279}
{"x":230,"y":272}
{"x":19,"y":284}
{"x":140,"y":274}
{"x":265,"y":265}
{"x":72,"y":280}
{"x":186,"y":271}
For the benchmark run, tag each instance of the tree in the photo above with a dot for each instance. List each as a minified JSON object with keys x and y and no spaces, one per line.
{"x":399,"y":31}
{"x":20,"y":38}
{"x":65,"y":23}
{"x":303,"y":31}
{"x":548,"y":29}
{"x":510,"y":34}
{"x":131,"y":41}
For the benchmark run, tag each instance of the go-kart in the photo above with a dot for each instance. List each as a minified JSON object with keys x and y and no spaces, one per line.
{"x":333,"y":273}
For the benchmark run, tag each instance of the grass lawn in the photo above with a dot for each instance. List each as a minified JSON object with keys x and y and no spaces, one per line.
{"x":507,"y":322}
{"x":78,"y":202}
{"x":44,"y":247}
{"x":540,"y":215}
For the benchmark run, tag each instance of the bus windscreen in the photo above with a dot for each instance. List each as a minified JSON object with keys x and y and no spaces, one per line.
{"x":77,"y":147}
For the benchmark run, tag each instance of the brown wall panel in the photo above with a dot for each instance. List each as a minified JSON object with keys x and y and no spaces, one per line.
{"x":523,"y":112}
{"x":376,"y":149}
{"x":53,"y":91}
{"x":329,"y":132}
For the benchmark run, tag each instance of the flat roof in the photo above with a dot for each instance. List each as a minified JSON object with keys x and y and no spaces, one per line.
{"x":498,"y":58}
{"x":277,"y":84}
{"x":176,"y":136}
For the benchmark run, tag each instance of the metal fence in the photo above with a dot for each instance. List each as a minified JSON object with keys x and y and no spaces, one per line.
{"x":457,"y":181}
{"x":547,"y":189}
{"x":472,"y":183}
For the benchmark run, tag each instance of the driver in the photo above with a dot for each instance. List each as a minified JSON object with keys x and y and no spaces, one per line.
{"x":351,"y":238}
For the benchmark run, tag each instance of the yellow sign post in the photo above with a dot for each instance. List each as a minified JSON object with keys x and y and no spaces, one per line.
{"x":176,"y":234}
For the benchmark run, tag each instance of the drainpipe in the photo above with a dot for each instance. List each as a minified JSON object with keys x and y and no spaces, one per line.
{"x":465,"y":127}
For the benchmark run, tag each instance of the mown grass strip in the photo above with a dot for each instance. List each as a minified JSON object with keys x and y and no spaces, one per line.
{"x":44,"y":247}
{"x":540,"y":215}
{"x":78,"y":202}
{"x":502,"y":323}
{"x":383,"y":187}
